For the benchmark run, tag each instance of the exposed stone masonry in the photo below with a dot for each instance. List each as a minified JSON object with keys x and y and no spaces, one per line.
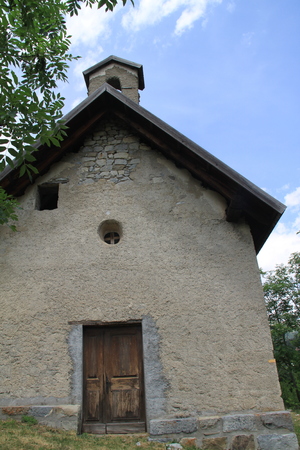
{"x":265,"y":431}
{"x":110,"y":154}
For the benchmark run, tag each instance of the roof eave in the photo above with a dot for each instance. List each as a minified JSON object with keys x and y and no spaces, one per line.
{"x":260,"y":209}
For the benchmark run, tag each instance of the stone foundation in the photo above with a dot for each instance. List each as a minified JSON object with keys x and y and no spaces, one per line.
{"x":265,"y":431}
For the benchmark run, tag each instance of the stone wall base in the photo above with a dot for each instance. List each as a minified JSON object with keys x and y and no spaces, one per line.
{"x":264,"y":431}
{"x":59,"y":416}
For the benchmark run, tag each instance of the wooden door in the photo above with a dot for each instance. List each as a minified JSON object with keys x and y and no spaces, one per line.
{"x":113,"y":387}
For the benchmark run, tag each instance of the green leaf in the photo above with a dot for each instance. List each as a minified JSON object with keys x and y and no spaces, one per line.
{"x":55,"y":141}
{"x":13,"y":152}
{"x":14,"y":77}
{"x":30,"y":157}
{"x":33,"y":169}
{"x":22,"y":170}
{"x":9,"y":162}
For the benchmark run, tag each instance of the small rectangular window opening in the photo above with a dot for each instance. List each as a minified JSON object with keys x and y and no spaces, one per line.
{"x":47,"y":196}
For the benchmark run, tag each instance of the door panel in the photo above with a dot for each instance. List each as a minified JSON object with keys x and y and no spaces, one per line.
{"x":113,"y":380}
{"x":125,"y":405}
{"x":93,"y":374}
{"x":123,"y":373}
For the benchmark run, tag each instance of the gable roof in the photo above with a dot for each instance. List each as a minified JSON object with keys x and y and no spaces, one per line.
{"x":244,"y":199}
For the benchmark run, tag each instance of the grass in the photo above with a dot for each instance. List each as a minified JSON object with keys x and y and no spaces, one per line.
{"x":25,"y":436}
{"x":28,"y":436}
{"x":30,"y":420}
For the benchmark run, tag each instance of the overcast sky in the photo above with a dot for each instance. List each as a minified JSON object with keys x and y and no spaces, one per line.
{"x":225,"y":73}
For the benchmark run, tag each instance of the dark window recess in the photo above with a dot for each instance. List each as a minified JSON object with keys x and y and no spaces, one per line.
{"x":47,"y":196}
{"x":112,"y":237}
{"x":114,"y":82}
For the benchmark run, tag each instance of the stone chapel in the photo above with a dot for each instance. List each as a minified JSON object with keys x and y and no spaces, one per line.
{"x":131,"y":298}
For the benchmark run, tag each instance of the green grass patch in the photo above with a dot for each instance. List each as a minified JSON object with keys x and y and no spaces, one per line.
{"x":27,"y":436}
{"x":30,"y":420}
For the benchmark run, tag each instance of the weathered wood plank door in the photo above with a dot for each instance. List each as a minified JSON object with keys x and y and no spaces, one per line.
{"x":113,"y":385}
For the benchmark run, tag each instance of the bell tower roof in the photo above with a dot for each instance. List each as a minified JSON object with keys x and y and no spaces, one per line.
{"x":126,"y":76}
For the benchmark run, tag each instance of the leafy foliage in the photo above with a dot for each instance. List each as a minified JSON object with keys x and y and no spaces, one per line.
{"x":34,"y":54}
{"x":74,"y":5}
{"x":282,"y":297}
{"x":8,"y":207}
{"x":34,"y":57}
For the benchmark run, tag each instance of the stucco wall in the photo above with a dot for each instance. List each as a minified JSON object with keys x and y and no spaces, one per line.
{"x":189,"y":275}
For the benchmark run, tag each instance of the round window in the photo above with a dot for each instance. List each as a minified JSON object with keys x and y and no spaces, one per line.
{"x":112,"y":237}
{"x":110,"y":232}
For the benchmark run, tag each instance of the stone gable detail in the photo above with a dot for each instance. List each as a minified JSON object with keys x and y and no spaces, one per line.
{"x":110,"y":153}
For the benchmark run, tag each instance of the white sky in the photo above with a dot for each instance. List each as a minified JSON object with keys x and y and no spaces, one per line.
{"x":223,"y":72}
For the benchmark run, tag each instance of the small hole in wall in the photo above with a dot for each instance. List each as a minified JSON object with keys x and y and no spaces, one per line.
{"x":47,"y":196}
{"x":110,"y":231}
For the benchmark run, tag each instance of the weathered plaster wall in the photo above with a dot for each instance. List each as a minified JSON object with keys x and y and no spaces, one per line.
{"x":180,"y":267}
